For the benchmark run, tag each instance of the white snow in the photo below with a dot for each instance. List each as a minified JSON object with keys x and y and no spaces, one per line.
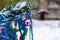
{"x":46,"y":30}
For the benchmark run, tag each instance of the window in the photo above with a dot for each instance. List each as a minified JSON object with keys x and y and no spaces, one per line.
{"x":42,"y":0}
{"x":52,"y":12}
{"x":52,"y":3}
{"x":43,"y":8}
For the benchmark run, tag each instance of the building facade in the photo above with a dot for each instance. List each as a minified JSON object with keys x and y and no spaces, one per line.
{"x":50,"y":6}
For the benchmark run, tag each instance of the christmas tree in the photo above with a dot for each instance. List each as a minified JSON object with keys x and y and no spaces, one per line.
{"x":20,"y":15}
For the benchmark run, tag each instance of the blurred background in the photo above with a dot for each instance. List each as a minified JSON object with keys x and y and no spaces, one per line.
{"x":42,"y":9}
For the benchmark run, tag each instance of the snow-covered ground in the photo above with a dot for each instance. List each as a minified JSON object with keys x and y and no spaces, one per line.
{"x":46,"y":30}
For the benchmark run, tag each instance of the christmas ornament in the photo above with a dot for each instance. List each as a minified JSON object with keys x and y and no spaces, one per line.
{"x":27,"y":22}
